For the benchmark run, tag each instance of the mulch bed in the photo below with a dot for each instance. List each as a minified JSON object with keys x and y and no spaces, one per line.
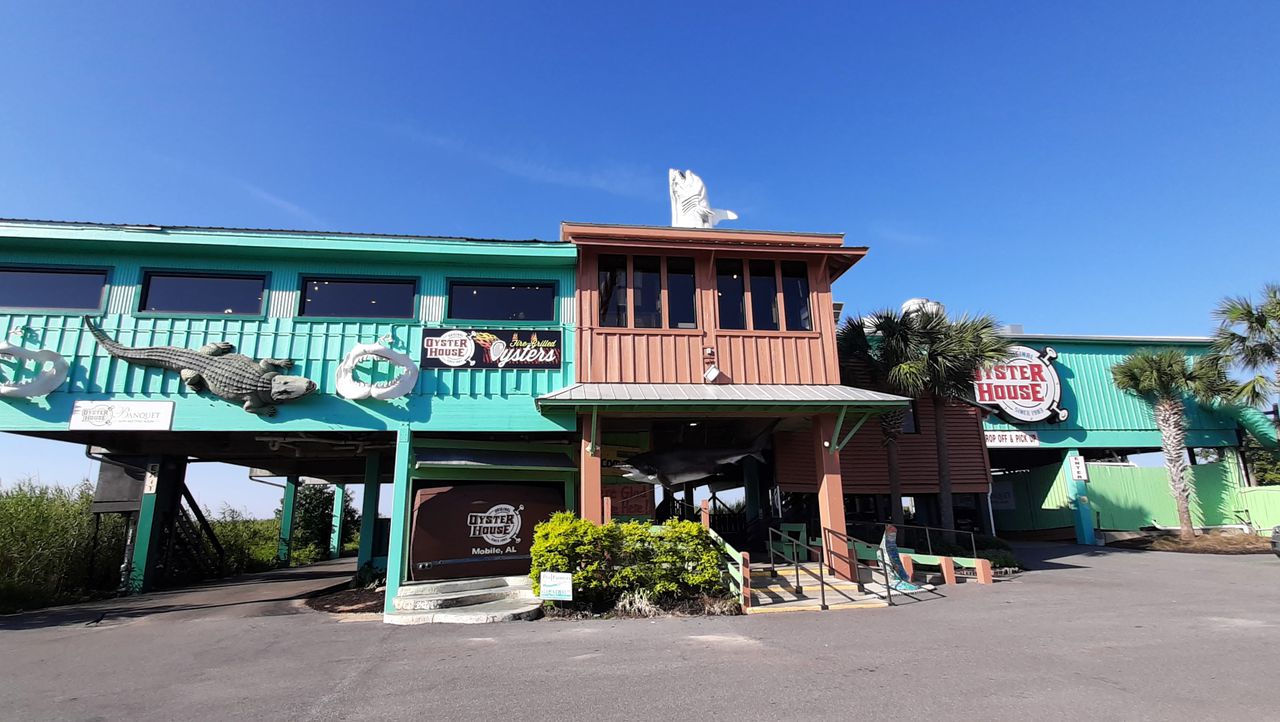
{"x":349,"y":601}
{"x":1211,"y":543}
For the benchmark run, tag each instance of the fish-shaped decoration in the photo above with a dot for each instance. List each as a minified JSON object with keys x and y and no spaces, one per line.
{"x":679,"y":467}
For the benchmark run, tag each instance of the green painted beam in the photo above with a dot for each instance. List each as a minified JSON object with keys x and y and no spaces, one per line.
{"x":398,"y":549}
{"x":335,"y":530}
{"x":144,"y":535}
{"x":285,"y":545}
{"x":368,"y":510}
{"x":546,"y":447}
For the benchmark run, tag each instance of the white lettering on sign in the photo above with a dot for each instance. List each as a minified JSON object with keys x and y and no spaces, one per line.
{"x":1011,"y":439}
{"x":121,"y":415}
{"x":1025,"y":388}
{"x":452,"y":348}
{"x":498,"y":526}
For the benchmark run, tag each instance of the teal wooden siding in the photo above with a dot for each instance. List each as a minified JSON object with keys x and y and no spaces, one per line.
{"x":1102,"y":415}
{"x":455,"y":400}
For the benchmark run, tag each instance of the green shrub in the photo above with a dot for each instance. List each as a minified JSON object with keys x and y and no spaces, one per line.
{"x":1000,"y":558}
{"x":250,"y":545}
{"x":676,"y":563}
{"x":301,"y":556}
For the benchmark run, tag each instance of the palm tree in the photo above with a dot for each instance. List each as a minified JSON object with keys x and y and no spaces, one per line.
{"x":896,"y":339}
{"x":1165,"y":378}
{"x":1249,"y":337}
{"x":922,"y":352}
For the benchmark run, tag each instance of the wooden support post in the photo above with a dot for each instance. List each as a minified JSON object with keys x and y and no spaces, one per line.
{"x":607,"y":505}
{"x":284,"y":547}
{"x":369,"y":510}
{"x":948,"y":571}
{"x":830,"y":492}
{"x":746,"y":581}
{"x":398,"y":546}
{"x":335,"y":530}
{"x":984,"y":572}
{"x":161,"y":493}
{"x":705,"y":513}
{"x":590,"y":472}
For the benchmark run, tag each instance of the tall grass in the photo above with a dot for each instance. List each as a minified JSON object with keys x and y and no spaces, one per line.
{"x":47,"y":554}
{"x":46,"y":546}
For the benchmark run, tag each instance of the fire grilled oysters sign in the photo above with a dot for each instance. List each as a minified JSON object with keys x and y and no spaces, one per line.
{"x":490,"y":349}
{"x":1025,"y":388}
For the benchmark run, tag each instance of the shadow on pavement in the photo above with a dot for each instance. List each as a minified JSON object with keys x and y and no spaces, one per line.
{"x":267,"y":588}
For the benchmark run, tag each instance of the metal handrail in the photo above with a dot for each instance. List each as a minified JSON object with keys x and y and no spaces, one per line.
{"x":796,"y":544}
{"x":853,"y":561}
{"x":973,"y":540}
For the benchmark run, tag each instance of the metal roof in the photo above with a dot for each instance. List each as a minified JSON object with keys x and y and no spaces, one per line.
{"x":693,"y":395}
{"x":1197,"y":340}
{"x":165,"y":228}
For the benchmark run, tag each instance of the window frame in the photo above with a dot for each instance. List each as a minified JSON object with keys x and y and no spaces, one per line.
{"x":301,"y":289}
{"x":103,"y":299}
{"x":664,"y":298}
{"x":145,"y":274}
{"x":780,"y":299}
{"x":449,"y":321}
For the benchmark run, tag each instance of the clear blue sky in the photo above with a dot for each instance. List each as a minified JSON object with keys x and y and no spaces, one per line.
{"x":1074,"y":167}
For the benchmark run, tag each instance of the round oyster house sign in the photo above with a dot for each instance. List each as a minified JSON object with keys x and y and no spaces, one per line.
{"x":1025,"y":388}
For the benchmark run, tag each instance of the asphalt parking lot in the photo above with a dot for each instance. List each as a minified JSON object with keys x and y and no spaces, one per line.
{"x":1089,"y":634}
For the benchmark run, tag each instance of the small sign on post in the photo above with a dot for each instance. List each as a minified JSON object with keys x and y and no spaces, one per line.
{"x":1079,"y":471}
{"x":556,"y":586}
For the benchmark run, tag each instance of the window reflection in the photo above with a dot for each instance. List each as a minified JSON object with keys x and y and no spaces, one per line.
{"x":682,"y":307}
{"x":192,"y":293}
{"x":613,"y":290}
{"x":795,"y":295}
{"x":496,"y":301}
{"x":79,"y":290}
{"x":358,"y":298}
{"x":730,"y":291}
{"x":647,"y":291}
{"x":764,"y":296}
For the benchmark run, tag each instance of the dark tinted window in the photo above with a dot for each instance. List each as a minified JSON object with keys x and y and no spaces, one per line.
{"x":909,"y":420}
{"x":795,"y":295}
{"x":357,"y":298}
{"x":647,"y":291}
{"x":613,"y":290}
{"x":50,"y":288}
{"x":730,"y":289}
{"x":764,"y":296}
{"x":514,"y":301}
{"x":188,"y":293}
{"x":682,"y":307}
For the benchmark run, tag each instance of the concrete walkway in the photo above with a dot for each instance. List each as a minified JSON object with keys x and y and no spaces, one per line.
{"x":250,"y":595}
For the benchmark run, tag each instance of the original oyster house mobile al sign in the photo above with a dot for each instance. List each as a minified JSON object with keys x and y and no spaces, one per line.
{"x":1024,"y":389}
{"x":459,"y":348}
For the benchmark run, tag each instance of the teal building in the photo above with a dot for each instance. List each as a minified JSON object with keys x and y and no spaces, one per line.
{"x":486,"y":326}
{"x":1062,"y":436}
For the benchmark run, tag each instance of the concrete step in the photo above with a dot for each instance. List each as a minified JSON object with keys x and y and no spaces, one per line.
{"x":502,"y":610}
{"x":814,"y":605}
{"x":449,"y":586}
{"x":465,"y":598}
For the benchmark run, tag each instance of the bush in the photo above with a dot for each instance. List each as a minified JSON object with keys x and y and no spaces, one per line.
{"x":667,"y":567}
{"x":250,"y":544}
{"x":1000,"y":558}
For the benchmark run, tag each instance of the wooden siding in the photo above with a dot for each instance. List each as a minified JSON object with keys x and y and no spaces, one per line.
{"x":865,"y":464}
{"x":443,"y":399}
{"x":794,"y":465}
{"x":639,"y":355}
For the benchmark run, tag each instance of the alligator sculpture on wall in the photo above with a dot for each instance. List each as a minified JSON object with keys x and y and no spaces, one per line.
{"x":256,"y":385}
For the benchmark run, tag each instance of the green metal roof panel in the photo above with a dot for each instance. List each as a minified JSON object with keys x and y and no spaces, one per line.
{"x":1095,"y":404}
{"x":727,"y":396}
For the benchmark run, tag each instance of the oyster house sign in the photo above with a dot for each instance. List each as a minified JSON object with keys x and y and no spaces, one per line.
{"x":490,"y":349}
{"x":1025,"y":388}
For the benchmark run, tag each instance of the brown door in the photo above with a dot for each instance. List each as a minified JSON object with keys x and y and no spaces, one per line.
{"x":477,"y":529}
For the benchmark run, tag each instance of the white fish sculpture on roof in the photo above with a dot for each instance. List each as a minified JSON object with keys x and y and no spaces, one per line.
{"x":689,"y":205}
